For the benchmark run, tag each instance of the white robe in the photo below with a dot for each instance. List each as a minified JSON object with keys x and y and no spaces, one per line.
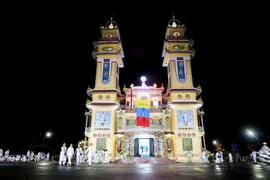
{"x":48,"y":156}
{"x":7,"y":153}
{"x":89,"y":150}
{"x":218,"y":157}
{"x":254,"y":156}
{"x":265,"y":149}
{"x":63,"y":158}
{"x":28,"y":155}
{"x":204,"y":157}
{"x":70,"y":153}
{"x":79,"y":154}
{"x":230,"y":157}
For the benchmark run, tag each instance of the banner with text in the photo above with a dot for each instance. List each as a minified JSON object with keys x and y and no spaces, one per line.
{"x":143,"y":112}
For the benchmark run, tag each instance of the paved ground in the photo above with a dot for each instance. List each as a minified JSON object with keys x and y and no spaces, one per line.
{"x":142,"y":171}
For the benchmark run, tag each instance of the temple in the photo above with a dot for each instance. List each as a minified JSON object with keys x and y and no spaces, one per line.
{"x":175,"y":125}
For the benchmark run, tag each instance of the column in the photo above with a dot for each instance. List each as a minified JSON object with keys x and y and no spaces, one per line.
{"x":204,"y":133}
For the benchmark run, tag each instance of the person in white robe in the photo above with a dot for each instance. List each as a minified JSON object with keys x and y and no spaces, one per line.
{"x":70,"y":153}
{"x":217,"y":157}
{"x":254,"y":156}
{"x":265,"y":149}
{"x":2,"y":158}
{"x":204,"y":157}
{"x":103,"y":156}
{"x":89,"y":150}
{"x":230,"y":157}
{"x":48,"y":157}
{"x":23,"y":159}
{"x":96,"y":157}
{"x":7,"y":153}
{"x":79,"y":154}
{"x":37,"y":157}
{"x":1,"y":152}
{"x":63,"y":154}
{"x":18,"y":157}
{"x":221,"y":157}
{"x":32,"y":156}
{"x":106,"y":156}
{"x":28,"y":155}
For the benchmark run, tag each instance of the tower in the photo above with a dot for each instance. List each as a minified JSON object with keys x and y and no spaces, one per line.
{"x":108,"y":53}
{"x":182,"y":96}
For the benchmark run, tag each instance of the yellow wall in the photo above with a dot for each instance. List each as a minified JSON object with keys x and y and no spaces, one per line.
{"x":110,"y":140}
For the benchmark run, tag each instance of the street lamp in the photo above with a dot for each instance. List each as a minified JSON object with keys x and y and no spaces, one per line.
{"x":48,"y":134}
{"x":251,"y":133}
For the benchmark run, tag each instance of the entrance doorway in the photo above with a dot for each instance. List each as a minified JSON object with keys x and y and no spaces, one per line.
{"x":144,"y":147}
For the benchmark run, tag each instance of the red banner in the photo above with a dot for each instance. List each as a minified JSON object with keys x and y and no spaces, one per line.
{"x":143,"y":121}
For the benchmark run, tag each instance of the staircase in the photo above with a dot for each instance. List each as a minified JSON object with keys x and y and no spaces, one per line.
{"x":149,"y":160}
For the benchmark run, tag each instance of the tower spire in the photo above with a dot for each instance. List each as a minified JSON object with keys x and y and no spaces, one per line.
{"x":111,"y":24}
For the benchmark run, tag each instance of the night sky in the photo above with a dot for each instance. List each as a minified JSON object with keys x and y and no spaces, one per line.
{"x":49,"y":67}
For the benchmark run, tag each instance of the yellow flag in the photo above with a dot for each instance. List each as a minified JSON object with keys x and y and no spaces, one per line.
{"x":143,"y":103}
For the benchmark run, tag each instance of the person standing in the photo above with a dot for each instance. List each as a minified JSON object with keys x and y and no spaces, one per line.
{"x":103,"y":156}
{"x":70,"y":153}
{"x":48,"y":156}
{"x":204,"y":156}
{"x":79,"y":154}
{"x":254,"y":156}
{"x":7,"y":153}
{"x":89,"y":150}
{"x":221,"y":157}
{"x":230,"y":157}
{"x":265,"y":149}
{"x":106,"y":156}
{"x":218,"y":157}
{"x":63,"y":153}
{"x":96,"y":157}
{"x":28,"y":155}
{"x":1,"y":152}
{"x":238,"y":157}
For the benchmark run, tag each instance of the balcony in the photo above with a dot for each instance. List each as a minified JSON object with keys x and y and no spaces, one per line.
{"x":201,"y":129}
{"x":177,"y":38}
{"x":152,"y":109}
{"x":153,"y":127}
{"x":109,"y":39}
{"x":87,"y":131}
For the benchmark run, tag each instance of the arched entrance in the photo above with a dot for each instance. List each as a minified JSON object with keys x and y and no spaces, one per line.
{"x":144,"y":146}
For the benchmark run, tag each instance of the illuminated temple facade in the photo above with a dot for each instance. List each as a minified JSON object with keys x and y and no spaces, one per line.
{"x":176,"y":119}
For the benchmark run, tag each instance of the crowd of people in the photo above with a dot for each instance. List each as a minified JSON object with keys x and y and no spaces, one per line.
{"x":89,"y":155}
{"x":219,"y":157}
{"x":29,"y":156}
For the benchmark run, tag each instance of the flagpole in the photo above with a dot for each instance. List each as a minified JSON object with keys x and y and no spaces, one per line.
{"x":131,"y":99}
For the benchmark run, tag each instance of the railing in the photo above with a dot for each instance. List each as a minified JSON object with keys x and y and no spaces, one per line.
{"x":87,"y":130}
{"x":201,"y":128}
{"x":152,"y":126}
{"x":177,"y":38}
{"x":109,"y":39}
{"x":152,"y":109}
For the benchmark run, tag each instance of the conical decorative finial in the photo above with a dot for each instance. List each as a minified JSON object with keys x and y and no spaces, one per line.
{"x":174,"y":22}
{"x":111,"y":24}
